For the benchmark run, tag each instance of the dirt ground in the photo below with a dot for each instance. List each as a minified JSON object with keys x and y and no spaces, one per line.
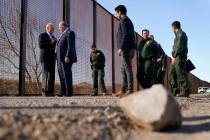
{"x":93,"y":118}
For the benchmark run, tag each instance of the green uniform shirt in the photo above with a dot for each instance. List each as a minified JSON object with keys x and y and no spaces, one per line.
{"x":147,"y":49}
{"x":180,"y":48}
{"x":97,"y":59}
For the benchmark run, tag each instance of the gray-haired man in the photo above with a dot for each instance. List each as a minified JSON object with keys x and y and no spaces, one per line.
{"x":47,"y":43}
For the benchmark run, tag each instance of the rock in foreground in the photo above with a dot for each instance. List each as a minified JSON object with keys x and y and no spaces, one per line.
{"x":153,"y":109}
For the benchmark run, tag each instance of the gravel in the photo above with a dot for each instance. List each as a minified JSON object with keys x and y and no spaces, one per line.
{"x":92,"y":118}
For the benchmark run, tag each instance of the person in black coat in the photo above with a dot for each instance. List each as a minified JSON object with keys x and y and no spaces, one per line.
{"x":126,"y":47}
{"x":66,"y":56}
{"x":47,"y":43}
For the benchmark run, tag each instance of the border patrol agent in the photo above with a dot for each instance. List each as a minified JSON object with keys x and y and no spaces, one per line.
{"x":97,"y":60}
{"x":178,"y":75}
{"x":146,"y":63}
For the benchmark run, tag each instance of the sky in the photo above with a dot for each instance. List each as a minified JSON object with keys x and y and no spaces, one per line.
{"x":157,"y":16}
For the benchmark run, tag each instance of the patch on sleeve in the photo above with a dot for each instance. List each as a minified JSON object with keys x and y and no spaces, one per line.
{"x":148,"y":42}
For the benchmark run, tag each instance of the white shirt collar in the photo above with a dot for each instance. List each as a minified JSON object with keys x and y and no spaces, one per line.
{"x":50,"y":35}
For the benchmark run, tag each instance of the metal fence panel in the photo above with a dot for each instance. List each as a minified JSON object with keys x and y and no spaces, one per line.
{"x":104,"y":41}
{"x":117,"y":59}
{"x":134,"y":69}
{"x":167,"y":74}
{"x":10,"y":12}
{"x":40,"y":12}
{"x":138,"y":40}
{"x":81,"y":22}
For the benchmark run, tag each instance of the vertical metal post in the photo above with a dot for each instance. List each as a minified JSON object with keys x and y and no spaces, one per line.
{"x":94,"y":22}
{"x":22,"y":62}
{"x":168,"y":72}
{"x":113,"y":59}
{"x":137,"y":58}
{"x":66,"y":11}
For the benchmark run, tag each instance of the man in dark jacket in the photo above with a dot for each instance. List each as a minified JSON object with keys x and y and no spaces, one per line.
{"x":97,"y":60}
{"x":126,"y":46}
{"x":66,"y":56}
{"x":47,"y":43}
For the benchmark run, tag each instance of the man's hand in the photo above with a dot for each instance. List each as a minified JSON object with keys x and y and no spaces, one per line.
{"x":119,"y":52}
{"x":159,"y":60}
{"x":67,"y":60}
{"x":54,"y":42}
{"x":173,"y":61}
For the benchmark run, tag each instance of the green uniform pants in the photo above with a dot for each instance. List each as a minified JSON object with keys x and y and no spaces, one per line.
{"x":178,"y":77}
{"x":146,"y":74}
{"x":98,"y":79}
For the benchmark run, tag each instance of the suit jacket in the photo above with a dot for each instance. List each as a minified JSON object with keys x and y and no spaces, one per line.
{"x":126,"y":34}
{"x":66,"y":47}
{"x":47,"y":50}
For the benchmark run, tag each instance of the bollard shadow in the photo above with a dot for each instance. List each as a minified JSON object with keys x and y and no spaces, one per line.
{"x":196,"y":124}
{"x":196,"y":118}
{"x":56,"y":106}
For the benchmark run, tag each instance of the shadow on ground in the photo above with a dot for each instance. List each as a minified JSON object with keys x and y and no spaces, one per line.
{"x":195,"y":124}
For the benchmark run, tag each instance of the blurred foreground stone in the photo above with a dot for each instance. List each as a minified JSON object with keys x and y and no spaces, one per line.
{"x":153,"y":109}
{"x":93,"y":118}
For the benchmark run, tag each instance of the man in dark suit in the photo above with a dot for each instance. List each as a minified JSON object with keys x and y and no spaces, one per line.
{"x":47,"y":43}
{"x":126,"y":46}
{"x":66,"y":56}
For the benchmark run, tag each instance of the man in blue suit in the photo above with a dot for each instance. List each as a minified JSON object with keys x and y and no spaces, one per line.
{"x":66,"y":56}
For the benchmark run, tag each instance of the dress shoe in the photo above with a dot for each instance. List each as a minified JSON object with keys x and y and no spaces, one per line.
{"x":51,"y":94}
{"x":127,"y":93}
{"x":68,"y":95}
{"x":119,"y":94}
{"x":93,"y":95}
{"x":183,"y":95}
{"x":44,"y":94}
{"x":61,"y":95}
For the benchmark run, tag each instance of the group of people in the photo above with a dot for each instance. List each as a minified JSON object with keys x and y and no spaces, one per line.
{"x":63,"y":50}
{"x":151,"y":59}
